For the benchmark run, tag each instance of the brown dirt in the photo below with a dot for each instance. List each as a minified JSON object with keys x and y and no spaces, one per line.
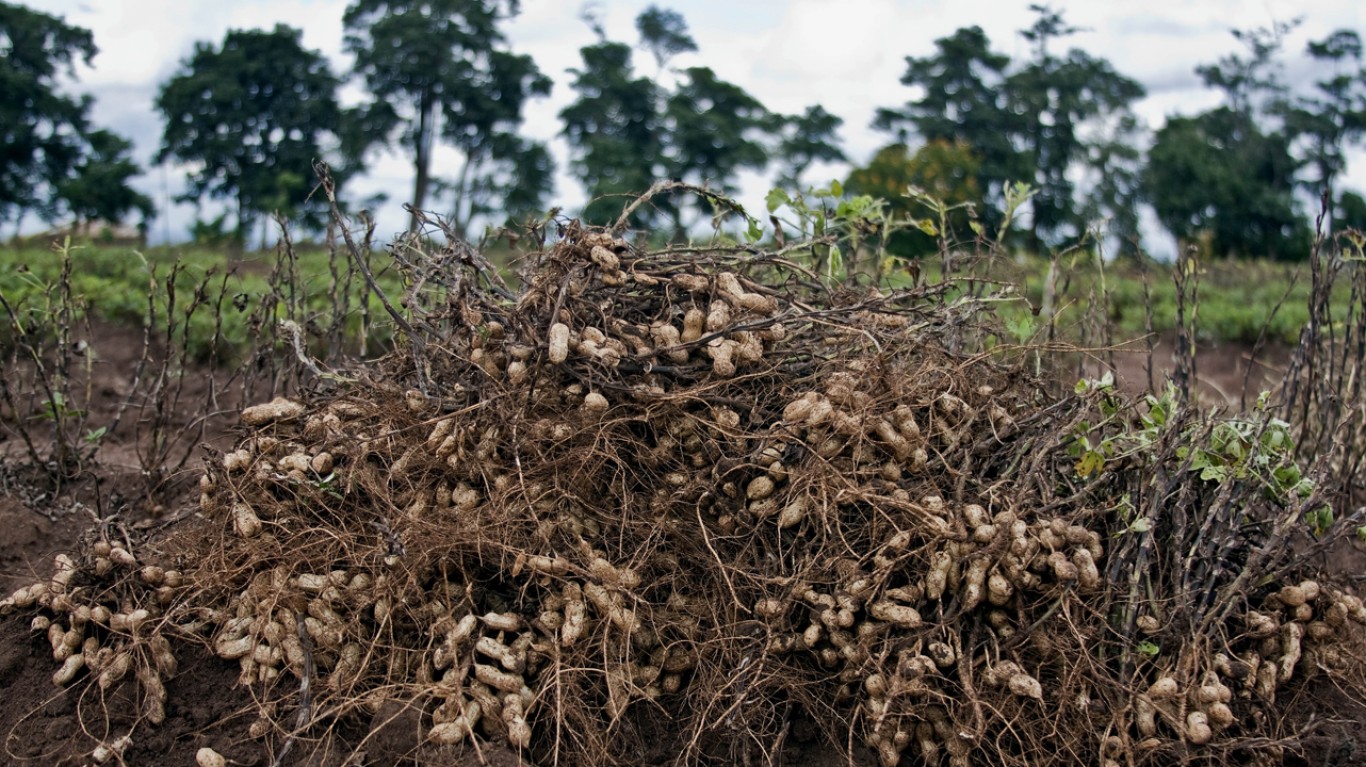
{"x":1226,"y":374}
{"x":43,"y":725}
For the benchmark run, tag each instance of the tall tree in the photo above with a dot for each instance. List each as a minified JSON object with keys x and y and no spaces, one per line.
{"x":40,"y":127}
{"x":942,"y":170}
{"x":250,"y":117}
{"x":1056,"y":97}
{"x":1228,"y":174}
{"x":614,"y":129}
{"x":1334,"y":119}
{"x":962,"y":100}
{"x":99,"y":188}
{"x":1251,"y":81}
{"x":1218,"y":175}
{"x":1113,"y":177}
{"x":664,"y":33}
{"x":627,"y":131}
{"x":713,"y":129}
{"x":807,"y":138}
{"x":441,"y":69}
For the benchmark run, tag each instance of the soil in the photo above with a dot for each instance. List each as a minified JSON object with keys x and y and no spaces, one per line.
{"x":43,"y":725}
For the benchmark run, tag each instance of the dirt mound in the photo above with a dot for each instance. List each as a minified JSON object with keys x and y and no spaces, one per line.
{"x":694,"y":506}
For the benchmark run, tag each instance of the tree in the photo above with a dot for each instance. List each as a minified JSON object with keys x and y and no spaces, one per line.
{"x":962,"y":100}
{"x":1056,"y":99}
{"x":628,"y":131}
{"x":805,"y":139}
{"x":40,"y":127}
{"x":941,"y":170}
{"x":1217,"y":174}
{"x":664,"y":33}
{"x":440,"y":69}
{"x":250,"y":118}
{"x":99,"y":188}
{"x":519,"y":179}
{"x":1351,"y":212}
{"x":713,"y":130}
{"x":1335,"y":118}
{"x":1114,"y":191}
{"x":614,"y":130}
{"x":1251,"y":83}
{"x":1229,"y":173}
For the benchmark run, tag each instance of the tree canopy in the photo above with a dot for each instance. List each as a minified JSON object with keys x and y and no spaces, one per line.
{"x":1217,"y":174}
{"x":249,"y":117}
{"x":804,"y":139}
{"x":941,"y":170}
{"x":441,"y":70}
{"x":627,"y":131}
{"x":613,"y":127}
{"x":1056,"y":97}
{"x":962,"y":100}
{"x":40,"y":127}
{"x":1333,"y":118}
{"x":99,"y":187}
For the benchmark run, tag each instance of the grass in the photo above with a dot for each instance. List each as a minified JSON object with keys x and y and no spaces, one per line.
{"x":1239,"y":301}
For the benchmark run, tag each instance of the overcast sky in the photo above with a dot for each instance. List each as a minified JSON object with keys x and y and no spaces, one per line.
{"x":847,"y":55}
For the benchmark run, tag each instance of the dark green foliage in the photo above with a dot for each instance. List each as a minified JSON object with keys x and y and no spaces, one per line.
{"x":962,"y":100}
{"x":251,"y":117}
{"x":664,"y":33}
{"x":1055,"y":98}
{"x":100,"y":189}
{"x":715,"y":129}
{"x":628,"y":132}
{"x":1251,"y":82}
{"x":1333,"y":119}
{"x":1351,"y":212}
{"x":40,"y":128}
{"x":614,"y":128}
{"x":441,"y":70}
{"x":1227,"y":176}
{"x":805,"y":139}
{"x":944,"y":171}
{"x":1115,"y":161}
{"x":1216,"y":173}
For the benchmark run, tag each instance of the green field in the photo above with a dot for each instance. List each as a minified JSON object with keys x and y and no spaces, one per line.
{"x":210,"y":301}
{"x":217,"y":300}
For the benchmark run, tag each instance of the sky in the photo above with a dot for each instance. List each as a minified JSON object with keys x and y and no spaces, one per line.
{"x":847,"y":55}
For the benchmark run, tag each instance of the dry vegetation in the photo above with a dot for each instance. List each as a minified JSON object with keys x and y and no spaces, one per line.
{"x":676,"y":506}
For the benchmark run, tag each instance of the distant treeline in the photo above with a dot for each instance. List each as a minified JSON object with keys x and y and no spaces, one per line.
{"x":249,"y":116}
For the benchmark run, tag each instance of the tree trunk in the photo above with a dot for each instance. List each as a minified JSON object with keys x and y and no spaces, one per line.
{"x":239,"y":240}
{"x":422,"y":156}
{"x":460,"y":220}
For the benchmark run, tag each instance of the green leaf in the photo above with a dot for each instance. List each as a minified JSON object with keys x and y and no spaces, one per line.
{"x":1319,"y":520}
{"x":1022,"y":327}
{"x":777,"y":198}
{"x":1092,"y":462}
{"x":1214,"y":473}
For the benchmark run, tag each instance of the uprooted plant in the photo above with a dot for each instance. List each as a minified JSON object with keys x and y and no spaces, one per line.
{"x":663,"y":506}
